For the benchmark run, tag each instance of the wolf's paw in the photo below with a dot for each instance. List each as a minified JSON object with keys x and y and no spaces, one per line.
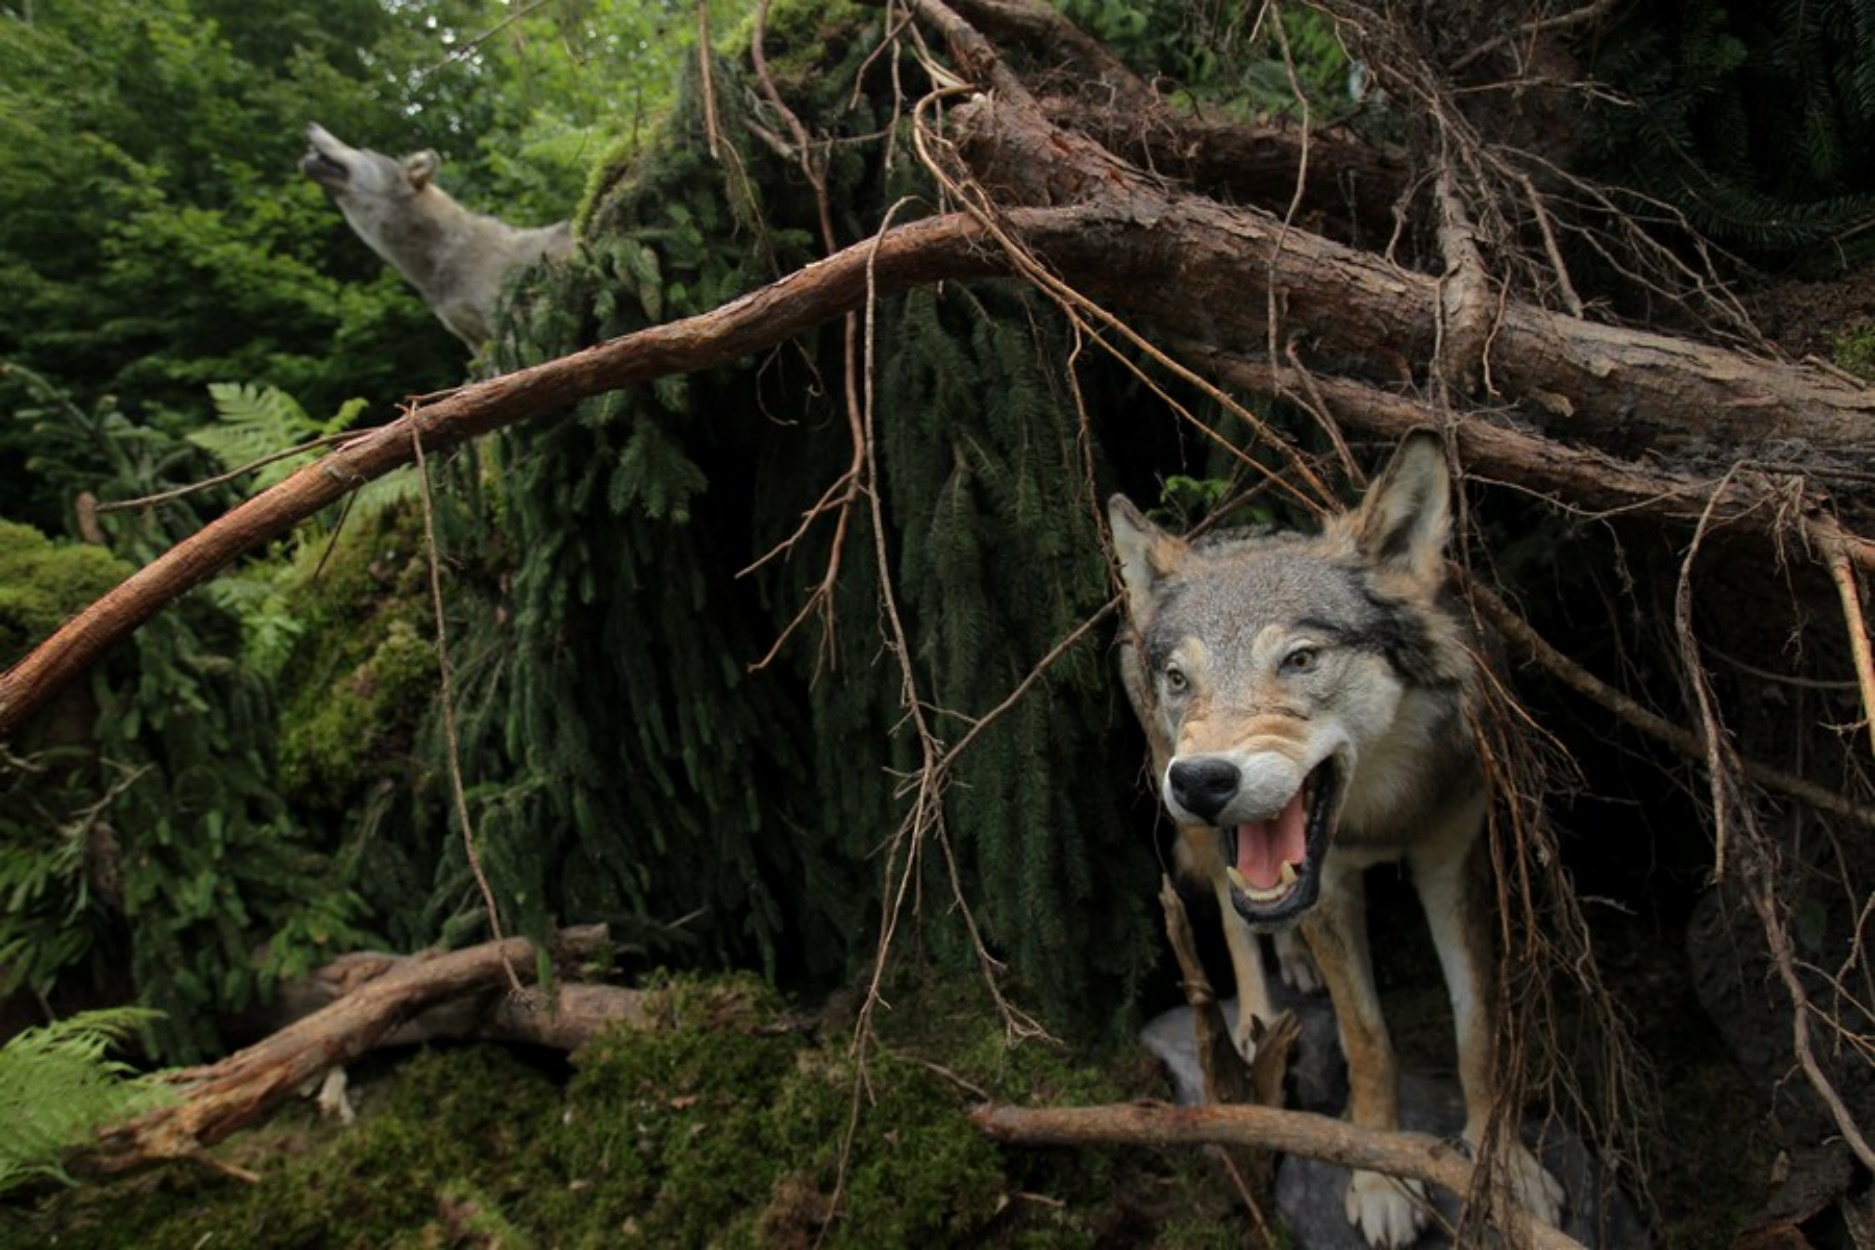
{"x":1244,"y":1036}
{"x":1533,"y":1186}
{"x":1297,"y":965}
{"x":1388,"y":1212}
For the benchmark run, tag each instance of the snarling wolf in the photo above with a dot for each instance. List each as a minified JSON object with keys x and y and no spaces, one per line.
{"x":456,"y":259}
{"x":1305,"y":699}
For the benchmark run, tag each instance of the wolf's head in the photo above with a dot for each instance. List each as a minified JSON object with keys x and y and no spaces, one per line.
{"x":394,"y":206}
{"x":1301,"y":689}
{"x":358,"y":175}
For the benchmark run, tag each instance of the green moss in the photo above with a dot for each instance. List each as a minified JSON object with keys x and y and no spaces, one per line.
{"x":42,"y":583}
{"x":458,"y":1139}
{"x":364,"y":675}
{"x":723,"y":1124}
{"x":1855,"y":351}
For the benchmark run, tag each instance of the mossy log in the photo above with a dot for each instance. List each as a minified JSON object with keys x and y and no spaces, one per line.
{"x":380,"y":1000}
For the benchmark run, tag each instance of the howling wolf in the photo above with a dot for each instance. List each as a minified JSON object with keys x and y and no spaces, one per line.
{"x":456,"y":259}
{"x":1305,"y":700}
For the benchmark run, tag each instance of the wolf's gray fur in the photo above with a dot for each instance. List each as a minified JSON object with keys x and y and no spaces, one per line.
{"x":456,"y":259}
{"x":1306,"y":701}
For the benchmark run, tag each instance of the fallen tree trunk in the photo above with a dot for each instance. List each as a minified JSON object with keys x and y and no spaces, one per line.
{"x":1193,"y":268}
{"x":1216,"y":274}
{"x":1173,"y":261}
{"x":389,"y":999}
{"x":1411,"y":1155}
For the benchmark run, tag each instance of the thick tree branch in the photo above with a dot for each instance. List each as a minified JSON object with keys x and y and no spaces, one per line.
{"x":1204,"y":270}
{"x":931,"y":250}
{"x":1303,"y":1133}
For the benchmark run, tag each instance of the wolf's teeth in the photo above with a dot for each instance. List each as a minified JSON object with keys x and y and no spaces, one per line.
{"x":1285,"y":878}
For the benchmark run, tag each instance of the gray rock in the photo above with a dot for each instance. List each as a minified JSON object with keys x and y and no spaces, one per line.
{"x":1318,"y":1080}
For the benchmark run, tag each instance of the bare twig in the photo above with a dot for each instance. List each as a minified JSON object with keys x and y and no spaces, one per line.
{"x":239,"y":1090}
{"x":222,"y":479}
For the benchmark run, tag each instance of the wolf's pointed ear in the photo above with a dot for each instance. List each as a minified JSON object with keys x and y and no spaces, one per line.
{"x":420,"y":167}
{"x":1148,"y":555}
{"x":1406,"y":519}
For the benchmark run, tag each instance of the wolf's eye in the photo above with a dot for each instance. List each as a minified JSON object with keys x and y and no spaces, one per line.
{"x":1175,"y":680}
{"x":1301,"y":660}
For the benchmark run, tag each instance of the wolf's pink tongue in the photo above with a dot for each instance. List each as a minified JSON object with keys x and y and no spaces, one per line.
{"x":1264,"y":846}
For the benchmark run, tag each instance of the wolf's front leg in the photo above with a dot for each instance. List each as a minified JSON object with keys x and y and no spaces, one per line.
{"x":1452,"y":888}
{"x":1388,"y":1212}
{"x":1246,"y":960}
{"x":1297,"y":965}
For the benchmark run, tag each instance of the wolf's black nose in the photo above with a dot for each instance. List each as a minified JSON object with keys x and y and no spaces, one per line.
{"x":1204,"y":785}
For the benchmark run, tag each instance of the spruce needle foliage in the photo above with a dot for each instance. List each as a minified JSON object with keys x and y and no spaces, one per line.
{"x":627,"y":760}
{"x":1754,"y":120}
{"x":58,"y":1082}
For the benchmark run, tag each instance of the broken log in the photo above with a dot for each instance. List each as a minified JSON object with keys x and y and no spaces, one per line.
{"x":384,"y":994}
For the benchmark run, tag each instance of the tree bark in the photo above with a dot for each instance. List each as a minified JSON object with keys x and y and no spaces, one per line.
{"x":1213,"y":273}
{"x":387,"y":998}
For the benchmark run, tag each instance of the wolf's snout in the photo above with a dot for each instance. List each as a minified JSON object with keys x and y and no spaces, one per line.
{"x":1203,"y":786}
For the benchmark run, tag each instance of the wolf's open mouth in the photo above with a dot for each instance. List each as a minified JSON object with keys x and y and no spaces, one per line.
{"x":322,"y":168}
{"x":1274,"y":864}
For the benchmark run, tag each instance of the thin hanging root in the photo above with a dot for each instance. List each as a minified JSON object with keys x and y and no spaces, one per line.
{"x":1778,"y":942}
{"x":447,"y":696}
{"x":1842,"y":572}
{"x":1685,"y":741}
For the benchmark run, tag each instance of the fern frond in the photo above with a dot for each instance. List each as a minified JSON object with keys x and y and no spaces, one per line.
{"x":58,"y":1082}
{"x":252,"y":423}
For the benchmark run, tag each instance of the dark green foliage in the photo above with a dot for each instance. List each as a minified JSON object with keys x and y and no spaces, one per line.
{"x":999,"y":559}
{"x":1224,"y":54}
{"x":1755,"y":120}
{"x":156,"y":833}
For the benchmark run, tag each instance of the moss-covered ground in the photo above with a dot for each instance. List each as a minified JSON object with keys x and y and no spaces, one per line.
{"x":732,"y":1122}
